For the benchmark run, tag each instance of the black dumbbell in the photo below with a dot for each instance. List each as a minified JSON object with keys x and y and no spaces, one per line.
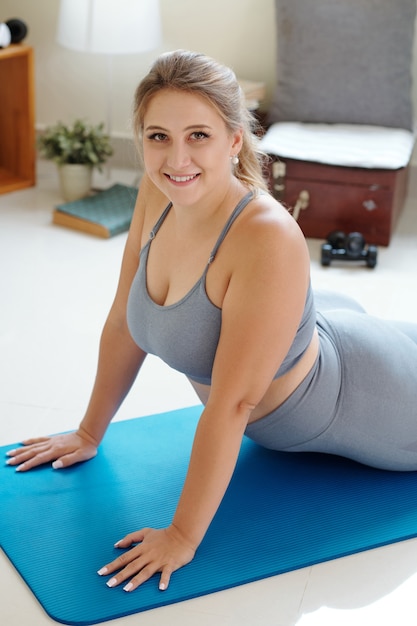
{"x":351,"y":247}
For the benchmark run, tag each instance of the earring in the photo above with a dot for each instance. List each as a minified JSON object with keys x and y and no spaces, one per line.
{"x":235,"y":159}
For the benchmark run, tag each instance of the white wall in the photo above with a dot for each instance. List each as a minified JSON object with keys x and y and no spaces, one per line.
{"x":240,"y":33}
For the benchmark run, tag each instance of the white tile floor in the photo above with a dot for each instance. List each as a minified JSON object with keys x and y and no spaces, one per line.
{"x":56,"y":286}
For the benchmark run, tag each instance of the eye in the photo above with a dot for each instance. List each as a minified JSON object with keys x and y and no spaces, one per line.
{"x":199,"y":135}
{"x":157,"y":137}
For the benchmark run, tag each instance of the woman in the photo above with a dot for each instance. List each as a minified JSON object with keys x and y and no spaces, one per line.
{"x":215,"y":280}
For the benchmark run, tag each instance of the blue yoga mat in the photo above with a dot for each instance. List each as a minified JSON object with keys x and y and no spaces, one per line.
{"x":281,"y":512}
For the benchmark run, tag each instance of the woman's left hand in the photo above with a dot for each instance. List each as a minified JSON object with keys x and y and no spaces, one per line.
{"x":163,"y":550}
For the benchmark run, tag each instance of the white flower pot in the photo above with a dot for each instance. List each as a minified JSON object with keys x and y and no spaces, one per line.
{"x":75,"y":181}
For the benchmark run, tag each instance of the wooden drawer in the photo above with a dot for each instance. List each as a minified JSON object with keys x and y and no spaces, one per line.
{"x":340,"y":198}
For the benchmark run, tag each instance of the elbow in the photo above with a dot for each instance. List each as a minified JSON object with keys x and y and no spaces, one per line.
{"x":242,"y":410}
{"x":246,"y":406}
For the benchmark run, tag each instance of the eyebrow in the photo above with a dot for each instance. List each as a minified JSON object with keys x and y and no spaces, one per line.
{"x":193,"y":126}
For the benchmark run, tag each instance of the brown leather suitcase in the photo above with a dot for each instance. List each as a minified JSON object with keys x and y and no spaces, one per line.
{"x":324,"y":198}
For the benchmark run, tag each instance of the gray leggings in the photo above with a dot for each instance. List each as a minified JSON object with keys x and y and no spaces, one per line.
{"x":360,"y":398}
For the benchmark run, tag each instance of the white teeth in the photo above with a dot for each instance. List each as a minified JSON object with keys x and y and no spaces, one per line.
{"x":182,"y":179}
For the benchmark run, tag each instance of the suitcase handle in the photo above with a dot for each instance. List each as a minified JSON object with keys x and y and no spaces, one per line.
{"x":302,"y":203}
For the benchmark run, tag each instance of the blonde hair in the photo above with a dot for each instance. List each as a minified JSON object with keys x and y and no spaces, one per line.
{"x":196,"y":73}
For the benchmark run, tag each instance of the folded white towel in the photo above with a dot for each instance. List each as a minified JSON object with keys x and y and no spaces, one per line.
{"x":348,"y":145}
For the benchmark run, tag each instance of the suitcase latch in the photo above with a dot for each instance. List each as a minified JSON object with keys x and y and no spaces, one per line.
{"x":278,"y":176}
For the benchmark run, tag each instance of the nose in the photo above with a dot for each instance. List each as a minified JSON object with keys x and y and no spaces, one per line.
{"x":178,"y":155}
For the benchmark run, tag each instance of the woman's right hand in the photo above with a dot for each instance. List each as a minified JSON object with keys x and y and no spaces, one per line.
{"x":62,"y":450}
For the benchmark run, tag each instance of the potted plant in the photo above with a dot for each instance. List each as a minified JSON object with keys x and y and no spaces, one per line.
{"x":76,"y":149}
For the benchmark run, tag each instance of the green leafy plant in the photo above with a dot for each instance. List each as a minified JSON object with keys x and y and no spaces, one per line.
{"x":80,"y":143}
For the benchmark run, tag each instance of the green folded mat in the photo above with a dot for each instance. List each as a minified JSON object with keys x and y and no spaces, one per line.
{"x":282,"y":511}
{"x":104,"y":214}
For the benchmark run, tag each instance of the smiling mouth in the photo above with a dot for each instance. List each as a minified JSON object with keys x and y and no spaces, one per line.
{"x":182,"y":179}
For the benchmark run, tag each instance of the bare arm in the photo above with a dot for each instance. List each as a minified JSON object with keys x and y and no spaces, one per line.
{"x":118,"y":364}
{"x":119,"y":357}
{"x":261,"y":313}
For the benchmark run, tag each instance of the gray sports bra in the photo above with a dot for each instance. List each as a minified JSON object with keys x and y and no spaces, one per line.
{"x":185,"y":334}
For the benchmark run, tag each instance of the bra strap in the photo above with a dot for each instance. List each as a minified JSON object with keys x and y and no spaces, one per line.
{"x":158,"y":224}
{"x":237,"y":211}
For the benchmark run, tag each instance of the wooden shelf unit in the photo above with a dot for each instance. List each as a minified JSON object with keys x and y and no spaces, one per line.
{"x":17,"y":118}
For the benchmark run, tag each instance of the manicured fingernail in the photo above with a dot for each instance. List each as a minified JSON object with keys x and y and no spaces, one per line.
{"x":10,"y":452}
{"x":102,"y":571}
{"x":57,"y":464}
{"x":9,"y":462}
{"x":128,"y":587}
{"x":19,"y":467}
{"x":162,"y":587}
{"x":111,"y":583}
{"x":117,"y":544}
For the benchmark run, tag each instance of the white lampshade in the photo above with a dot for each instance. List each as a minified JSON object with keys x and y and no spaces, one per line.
{"x":109,"y":26}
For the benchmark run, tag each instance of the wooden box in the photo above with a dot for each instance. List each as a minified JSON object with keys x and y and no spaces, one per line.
{"x":324,"y":197}
{"x":17,"y":118}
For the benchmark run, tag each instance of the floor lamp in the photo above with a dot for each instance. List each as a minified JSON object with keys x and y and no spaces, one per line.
{"x":109,"y":27}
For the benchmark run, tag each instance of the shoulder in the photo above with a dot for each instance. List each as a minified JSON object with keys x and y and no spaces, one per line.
{"x":265,"y":227}
{"x":267,"y":212}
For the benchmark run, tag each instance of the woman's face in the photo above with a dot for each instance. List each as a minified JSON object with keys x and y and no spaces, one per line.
{"x":186,"y":146}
